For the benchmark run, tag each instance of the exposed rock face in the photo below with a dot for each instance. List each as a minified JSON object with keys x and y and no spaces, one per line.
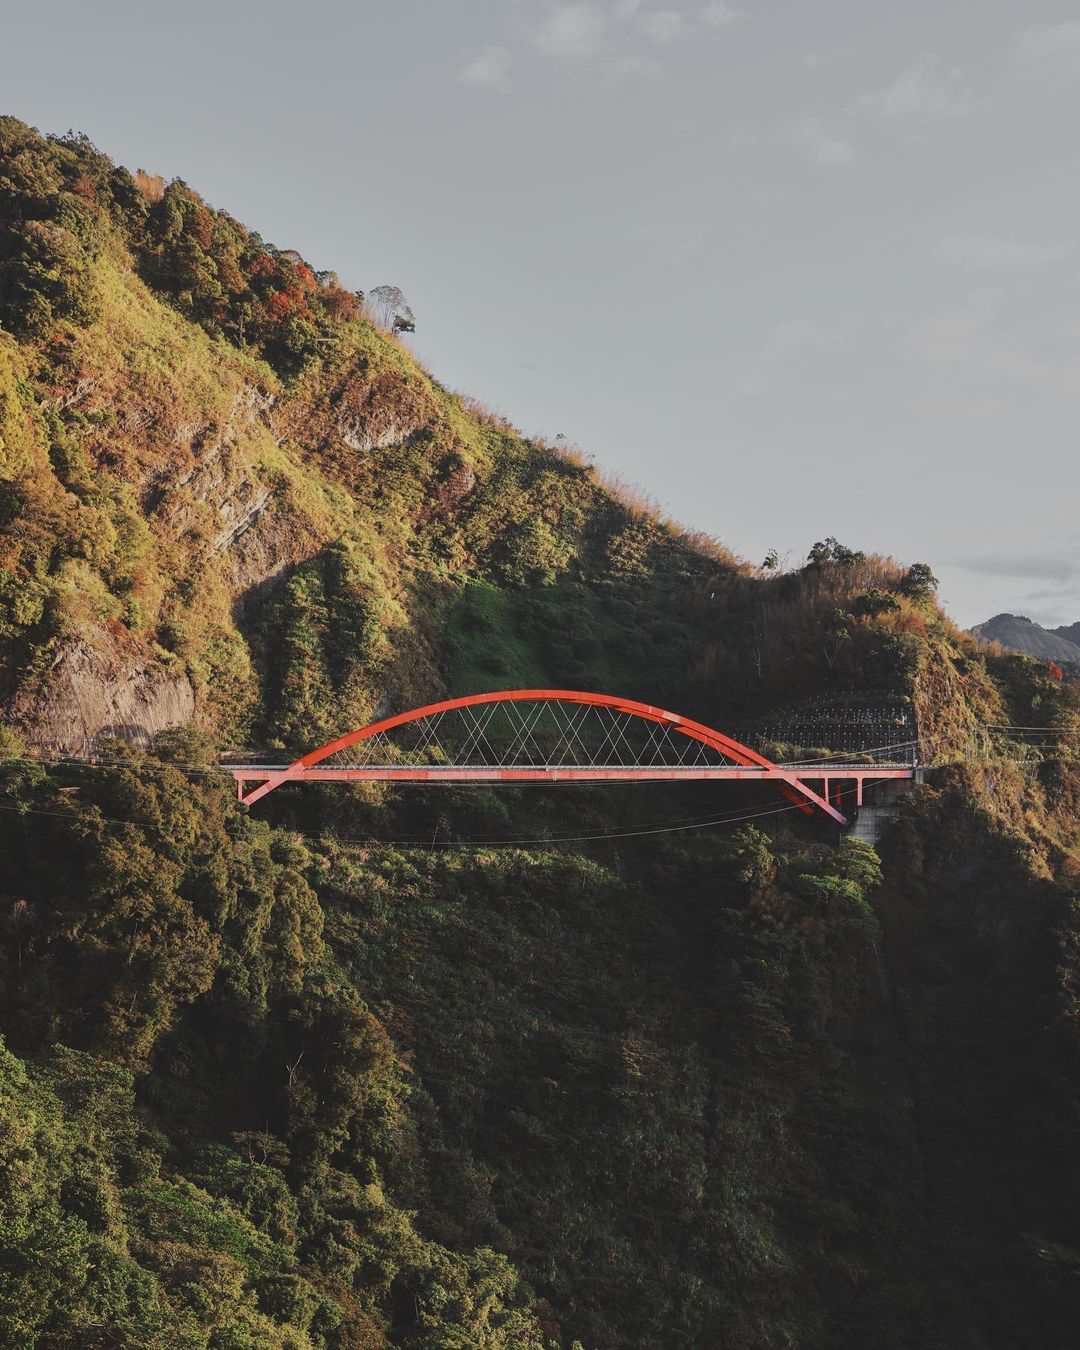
{"x":210,"y":499}
{"x":359,"y":434}
{"x":224,"y":497}
{"x":95,"y":689}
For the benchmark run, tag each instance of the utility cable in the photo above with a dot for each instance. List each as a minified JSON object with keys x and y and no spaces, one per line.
{"x":415,"y":842}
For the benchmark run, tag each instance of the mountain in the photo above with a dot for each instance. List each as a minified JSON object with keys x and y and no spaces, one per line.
{"x":367,"y":1066}
{"x":1023,"y":635}
{"x":1070,"y":632}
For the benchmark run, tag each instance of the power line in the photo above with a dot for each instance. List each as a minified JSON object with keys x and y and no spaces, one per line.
{"x":845,"y":755}
{"x":616,"y":833}
{"x":413,"y":841}
{"x":153,"y":766}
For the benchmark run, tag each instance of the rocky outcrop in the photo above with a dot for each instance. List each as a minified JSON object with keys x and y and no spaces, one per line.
{"x":239,"y":513}
{"x":234,"y":525}
{"x":95,"y":688}
{"x":224,"y":499}
{"x":358,"y":433}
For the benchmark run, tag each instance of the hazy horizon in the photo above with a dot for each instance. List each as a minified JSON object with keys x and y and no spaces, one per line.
{"x":796,"y":272}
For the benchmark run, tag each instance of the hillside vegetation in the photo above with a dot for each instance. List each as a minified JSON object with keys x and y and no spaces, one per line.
{"x":371,"y":1067}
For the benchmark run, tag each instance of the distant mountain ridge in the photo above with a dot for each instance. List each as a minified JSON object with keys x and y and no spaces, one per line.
{"x":1070,"y":632}
{"x":1024,"y":635}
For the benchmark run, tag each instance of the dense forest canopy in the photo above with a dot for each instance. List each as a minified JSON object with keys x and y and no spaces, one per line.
{"x":378,"y":1067}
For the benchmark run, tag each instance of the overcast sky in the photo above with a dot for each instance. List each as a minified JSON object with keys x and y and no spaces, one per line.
{"x":796,"y":269}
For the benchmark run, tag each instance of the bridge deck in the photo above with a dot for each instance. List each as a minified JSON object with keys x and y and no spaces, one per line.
{"x":500,"y":773}
{"x":269,"y":776}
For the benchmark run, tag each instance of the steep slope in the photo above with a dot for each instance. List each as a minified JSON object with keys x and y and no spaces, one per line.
{"x":1070,"y":632}
{"x":633,"y":1070}
{"x":191,"y":417}
{"x":1023,"y":635}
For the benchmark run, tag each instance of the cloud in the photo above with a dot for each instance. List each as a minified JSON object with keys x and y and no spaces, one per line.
{"x":1053,"y":566}
{"x":600,"y":35}
{"x":923,"y":93}
{"x":1042,"y":585}
{"x":663,"y":248}
{"x":488,"y":69}
{"x":795,"y":335}
{"x":1055,"y":592}
{"x":755,"y":382}
{"x":1054,"y":47}
{"x":825,"y":56}
{"x":984,"y":253}
{"x":811,"y":136}
{"x":949,"y":336}
{"x":719,"y":15}
{"x":789,"y":338}
{"x":1064,"y":613}
{"x":571,"y":32}
{"x":662,"y":25}
{"x":623,"y":69}
{"x":985,"y":344}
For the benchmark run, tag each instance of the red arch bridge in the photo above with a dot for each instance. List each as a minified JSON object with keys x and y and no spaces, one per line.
{"x":558,"y":736}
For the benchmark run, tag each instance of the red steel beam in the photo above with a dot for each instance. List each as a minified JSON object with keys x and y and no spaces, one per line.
{"x":697,"y":731}
{"x":795,"y":784}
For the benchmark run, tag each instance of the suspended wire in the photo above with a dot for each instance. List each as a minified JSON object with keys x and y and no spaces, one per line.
{"x":616,"y":833}
{"x":414,"y":841}
{"x":845,"y":756}
{"x":707,"y":818}
{"x":148,"y":765}
{"x":1014,"y":726}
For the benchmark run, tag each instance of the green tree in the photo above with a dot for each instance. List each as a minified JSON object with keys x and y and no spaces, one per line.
{"x":919,"y":582}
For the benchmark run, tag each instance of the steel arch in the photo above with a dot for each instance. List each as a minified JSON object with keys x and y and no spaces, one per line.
{"x":796,"y":790}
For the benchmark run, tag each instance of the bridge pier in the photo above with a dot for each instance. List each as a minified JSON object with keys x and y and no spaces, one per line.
{"x":872,"y":819}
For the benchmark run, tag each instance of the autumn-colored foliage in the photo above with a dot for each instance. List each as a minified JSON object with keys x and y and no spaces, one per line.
{"x":151,"y":185}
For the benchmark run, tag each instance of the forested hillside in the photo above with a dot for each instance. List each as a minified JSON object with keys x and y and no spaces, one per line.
{"x":369,"y":1066}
